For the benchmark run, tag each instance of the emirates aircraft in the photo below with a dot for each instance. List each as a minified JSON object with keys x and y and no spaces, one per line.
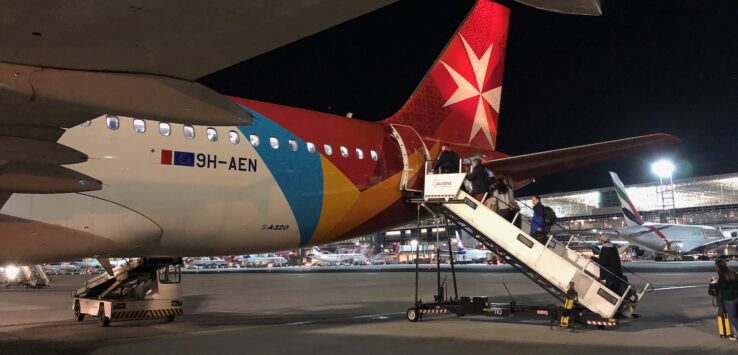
{"x":664,"y":238}
{"x":233,"y":176}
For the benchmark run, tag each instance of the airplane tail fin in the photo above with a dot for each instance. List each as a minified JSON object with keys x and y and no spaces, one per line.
{"x":632,"y":217}
{"x":317,"y":251}
{"x":458,"y":101}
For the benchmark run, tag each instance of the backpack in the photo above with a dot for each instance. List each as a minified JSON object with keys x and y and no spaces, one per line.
{"x":549,"y":216}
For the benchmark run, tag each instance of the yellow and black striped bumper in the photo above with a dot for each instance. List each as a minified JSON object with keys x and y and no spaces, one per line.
{"x":152,"y":313}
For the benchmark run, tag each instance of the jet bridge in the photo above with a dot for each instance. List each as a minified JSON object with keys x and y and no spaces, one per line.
{"x":562,"y":272}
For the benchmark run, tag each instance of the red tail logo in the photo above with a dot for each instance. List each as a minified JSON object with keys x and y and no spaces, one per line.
{"x":459,"y":101}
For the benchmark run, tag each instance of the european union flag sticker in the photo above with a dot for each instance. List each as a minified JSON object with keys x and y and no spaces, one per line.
{"x":184,"y":158}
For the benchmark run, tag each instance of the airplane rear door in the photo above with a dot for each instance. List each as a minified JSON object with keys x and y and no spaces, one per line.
{"x":414,"y":156}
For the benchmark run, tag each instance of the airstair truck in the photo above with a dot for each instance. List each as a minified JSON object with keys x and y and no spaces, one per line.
{"x":139,"y":289}
{"x":564,"y":273}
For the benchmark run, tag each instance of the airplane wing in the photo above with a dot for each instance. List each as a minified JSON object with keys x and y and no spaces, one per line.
{"x":65,"y":62}
{"x":714,"y":244}
{"x":527,"y":166}
{"x":75,"y":60}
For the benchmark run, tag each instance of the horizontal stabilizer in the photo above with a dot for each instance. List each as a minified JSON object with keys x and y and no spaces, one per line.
{"x":571,"y":7}
{"x":553,"y":161}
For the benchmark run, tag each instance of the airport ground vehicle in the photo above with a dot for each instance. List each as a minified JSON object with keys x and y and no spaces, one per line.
{"x":565,"y":274}
{"x":139,"y":289}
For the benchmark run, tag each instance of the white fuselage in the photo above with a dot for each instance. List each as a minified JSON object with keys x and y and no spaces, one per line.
{"x":674,"y":238}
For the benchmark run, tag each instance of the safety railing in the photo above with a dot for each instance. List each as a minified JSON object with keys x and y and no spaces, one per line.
{"x":552,"y":243}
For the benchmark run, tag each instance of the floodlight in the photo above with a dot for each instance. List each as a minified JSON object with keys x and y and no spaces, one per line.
{"x":663,"y":168}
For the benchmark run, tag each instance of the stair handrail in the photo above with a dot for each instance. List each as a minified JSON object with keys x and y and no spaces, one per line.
{"x":625,"y":282}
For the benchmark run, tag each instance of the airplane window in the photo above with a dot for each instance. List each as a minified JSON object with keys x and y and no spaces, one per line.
{"x":165,"y":129}
{"x":344,"y":152}
{"x":189,"y":131}
{"x":359,"y":153}
{"x":311,"y":147}
{"x":254,"y":139}
{"x":112,"y":122}
{"x":234,"y":137}
{"x":374,"y":155}
{"x":86,"y":123}
{"x":328,"y":149}
{"x":274,"y":142}
{"x":139,"y":126}
{"x":212,"y":134}
{"x":293,"y":145}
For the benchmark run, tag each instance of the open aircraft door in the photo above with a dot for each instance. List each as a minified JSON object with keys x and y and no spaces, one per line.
{"x":414,"y":156}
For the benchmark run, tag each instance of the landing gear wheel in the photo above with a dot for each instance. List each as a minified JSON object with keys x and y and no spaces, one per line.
{"x":170,"y":319}
{"x":413,"y":315}
{"x":104,"y":321}
{"x":78,"y":315}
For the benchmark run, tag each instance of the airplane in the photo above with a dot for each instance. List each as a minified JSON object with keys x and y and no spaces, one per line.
{"x":62,"y":268}
{"x":209,"y":262}
{"x":664,"y":238}
{"x":320,"y":257}
{"x":258,"y":260}
{"x":172,"y":168}
{"x":472,"y":255}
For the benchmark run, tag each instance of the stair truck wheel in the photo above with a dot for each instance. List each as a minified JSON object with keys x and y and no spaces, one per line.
{"x":104,"y":321}
{"x":170,"y":319}
{"x":413,"y":315}
{"x":78,"y":315}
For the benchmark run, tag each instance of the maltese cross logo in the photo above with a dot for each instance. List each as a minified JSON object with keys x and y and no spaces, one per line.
{"x":476,"y":90}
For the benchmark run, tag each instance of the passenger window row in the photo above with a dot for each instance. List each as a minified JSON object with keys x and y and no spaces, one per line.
{"x":310,"y":146}
{"x":165,"y":129}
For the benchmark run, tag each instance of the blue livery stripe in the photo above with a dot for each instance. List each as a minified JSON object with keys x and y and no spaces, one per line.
{"x":299,"y":174}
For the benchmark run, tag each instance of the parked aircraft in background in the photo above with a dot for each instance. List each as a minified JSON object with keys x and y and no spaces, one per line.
{"x":274,"y":178}
{"x":664,"y":238}
{"x":209,"y":262}
{"x":321,"y":257}
{"x":258,"y":260}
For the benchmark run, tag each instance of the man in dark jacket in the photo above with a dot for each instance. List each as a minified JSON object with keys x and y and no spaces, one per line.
{"x":477,"y":175}
{"x":448,"y":161}
{"x":537,"y":222}
{"x":609,"y":260}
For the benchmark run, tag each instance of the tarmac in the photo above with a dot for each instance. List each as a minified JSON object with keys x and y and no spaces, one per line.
{"x":361,"y":313}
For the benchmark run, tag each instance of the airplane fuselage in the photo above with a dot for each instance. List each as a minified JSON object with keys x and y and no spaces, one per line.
{"x":671,"y":238}
{"x":293,"y":178}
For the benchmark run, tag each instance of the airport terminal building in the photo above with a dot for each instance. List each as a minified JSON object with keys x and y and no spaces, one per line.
{"x":709,"y":200}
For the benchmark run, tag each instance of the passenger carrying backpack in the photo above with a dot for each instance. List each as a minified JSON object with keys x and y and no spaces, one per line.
{"x":549,"y":216}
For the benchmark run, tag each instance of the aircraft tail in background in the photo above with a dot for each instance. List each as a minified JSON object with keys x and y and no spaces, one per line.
{"x":632,"y":217}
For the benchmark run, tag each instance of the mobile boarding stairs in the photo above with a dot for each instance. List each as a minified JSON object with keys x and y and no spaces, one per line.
{"x":141,"y":288}
{"x":565,"y":274}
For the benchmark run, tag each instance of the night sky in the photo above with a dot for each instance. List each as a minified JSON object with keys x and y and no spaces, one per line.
{"x":644,"y":66}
